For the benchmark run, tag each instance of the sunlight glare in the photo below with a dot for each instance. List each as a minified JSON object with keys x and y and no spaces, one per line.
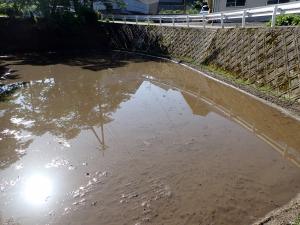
{"x":37,"y":189}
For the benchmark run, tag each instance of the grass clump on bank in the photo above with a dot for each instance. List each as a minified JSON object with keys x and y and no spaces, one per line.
{"x":297,"y":221}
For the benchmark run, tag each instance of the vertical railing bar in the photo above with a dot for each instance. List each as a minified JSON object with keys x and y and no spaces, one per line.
{"x":222,"y":20}
{"x":136,"y":20}
{"x":173,"y":21}
{"x":188,"y":21}
{"x":273,"y":22}
{"x":148,"y":19}
{"x":160,"y":20}
{"x":203,"y":20}
{"x":244,"y":19}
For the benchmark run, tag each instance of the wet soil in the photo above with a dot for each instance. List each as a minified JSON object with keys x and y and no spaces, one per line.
{"x":133,"y":140}
{"x":288,"y":214}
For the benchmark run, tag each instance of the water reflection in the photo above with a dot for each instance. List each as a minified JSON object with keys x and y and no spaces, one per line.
{"x":283,"y":135}
{"x":65,"y":105}
{"x":37,"y":189}
{"x":61,"y":106}
{"x":56,"y":125}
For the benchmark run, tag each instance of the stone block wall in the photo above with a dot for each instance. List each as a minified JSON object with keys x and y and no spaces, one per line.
{"x":265,"y":56}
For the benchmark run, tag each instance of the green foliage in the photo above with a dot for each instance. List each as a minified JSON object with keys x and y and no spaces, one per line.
{"x":178,"y":11}
{"x":9,"y":9}
{"x":192,"y":11}
{"x":165,"y":11}
{"x":193,"y":8}
{"x":197,"y":5}
{"x":287,"y":20}
{"x":297,"y":221}
{"x":17,"y":8}
{"x":79,"y":11}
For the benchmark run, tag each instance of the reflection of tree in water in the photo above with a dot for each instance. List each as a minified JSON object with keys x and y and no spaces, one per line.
{"x":63,"y":107}
{"x":6,"y":87}
{"x":11,"y":149}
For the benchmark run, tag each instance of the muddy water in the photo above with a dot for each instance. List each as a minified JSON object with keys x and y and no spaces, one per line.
{"x":134,"y":140}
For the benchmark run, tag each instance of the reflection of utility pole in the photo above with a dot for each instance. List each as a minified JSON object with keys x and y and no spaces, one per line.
{"x":100,"y":140}
{"x":31,"y":98}
{"x":102,"y":143}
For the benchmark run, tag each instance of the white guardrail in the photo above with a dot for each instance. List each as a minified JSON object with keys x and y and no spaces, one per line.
{"x":264,"y":11}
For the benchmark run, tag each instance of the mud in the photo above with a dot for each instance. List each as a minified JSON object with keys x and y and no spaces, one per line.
{"x":288,"y":214}
{"x":133,"y":140}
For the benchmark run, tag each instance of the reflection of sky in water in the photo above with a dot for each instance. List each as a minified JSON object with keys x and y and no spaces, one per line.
{"x":37,"y":189}
{"x":2,"y":113}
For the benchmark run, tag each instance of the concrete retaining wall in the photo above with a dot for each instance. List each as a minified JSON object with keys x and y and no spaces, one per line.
{"x":268,"y":57}
{"x":265,"y":56}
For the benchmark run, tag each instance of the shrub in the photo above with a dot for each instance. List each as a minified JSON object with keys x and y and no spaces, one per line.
{"x":287,"y":20}
{"x":179,"y":11}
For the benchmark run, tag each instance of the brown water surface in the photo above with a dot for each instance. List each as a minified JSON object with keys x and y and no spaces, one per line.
{"x":91,"y":140}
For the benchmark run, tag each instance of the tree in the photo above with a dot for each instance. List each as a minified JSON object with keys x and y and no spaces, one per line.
{"x":48,"y":8}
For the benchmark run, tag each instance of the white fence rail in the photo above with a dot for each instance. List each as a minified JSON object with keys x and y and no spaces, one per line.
{"x":264,"y":11}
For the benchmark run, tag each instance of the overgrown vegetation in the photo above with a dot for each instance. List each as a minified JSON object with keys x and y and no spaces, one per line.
{"x":287,"y":20}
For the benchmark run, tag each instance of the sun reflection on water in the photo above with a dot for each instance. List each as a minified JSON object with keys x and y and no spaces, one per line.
{"x":37,"y":189}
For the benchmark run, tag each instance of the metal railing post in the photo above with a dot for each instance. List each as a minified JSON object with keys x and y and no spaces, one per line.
{"x":160,"y":20}
{"x":148,"y":19}
{"x":203,"y":20}
{"x":113,"y":18}
{"x":222,"y":20}
{"x":244,"y":19}
{"x":136,"y":20}
{"x":124,"y":19}
{"x":173,"y":21}
{"x":188,"y":21}
{"x":273,"y":22}
{"x":101,"y":17}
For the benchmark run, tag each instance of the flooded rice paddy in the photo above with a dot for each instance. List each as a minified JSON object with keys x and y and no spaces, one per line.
{"x":133,"y":140}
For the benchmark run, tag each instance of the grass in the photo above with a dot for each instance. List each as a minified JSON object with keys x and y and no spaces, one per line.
{"x":234,"y":77}
{"x":237,"y":79}
{"x":225,"y":73}
{"x":297,"y":221}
